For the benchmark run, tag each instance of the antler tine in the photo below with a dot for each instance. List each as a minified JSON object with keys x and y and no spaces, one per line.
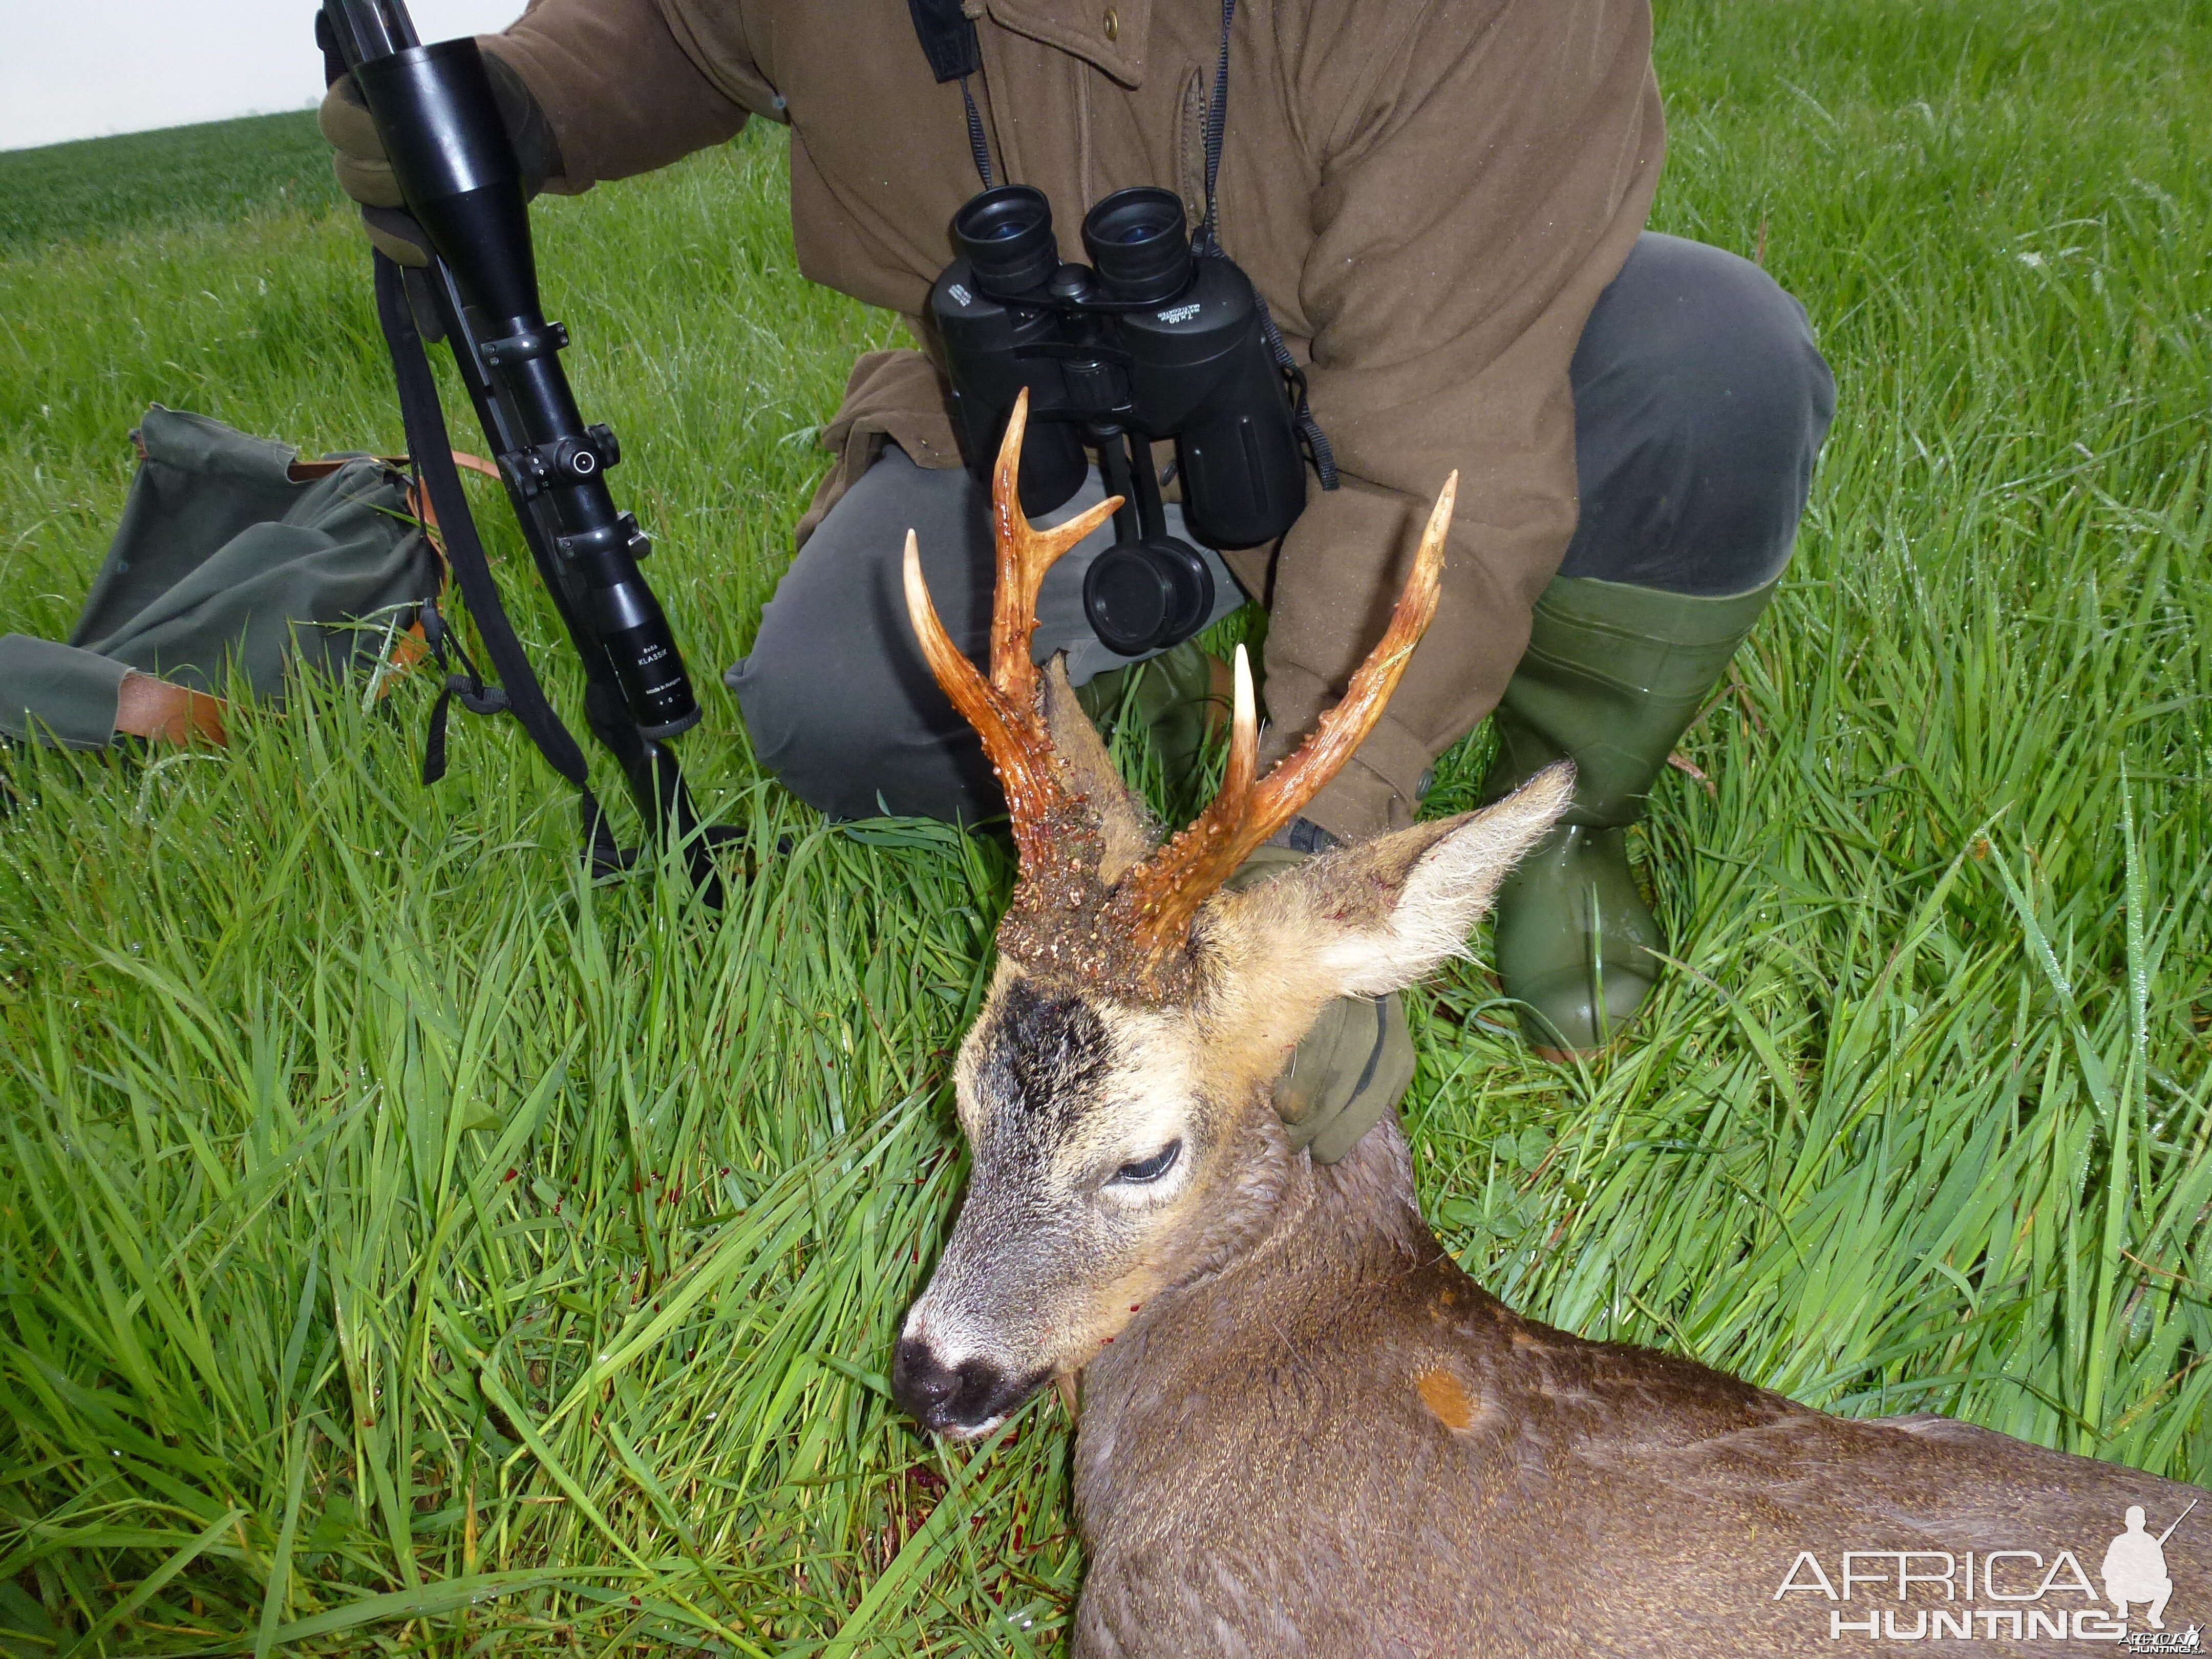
{"x":1243,"y":767}
{"x":1345,"y":727}
{"x":1025,"y":553}
{"x":1013,"y":736}
{"x":1192,"y":866}
{"x":1006,"y":708}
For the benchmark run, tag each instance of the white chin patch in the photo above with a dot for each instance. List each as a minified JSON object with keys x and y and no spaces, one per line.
{"x":972,"y":1431}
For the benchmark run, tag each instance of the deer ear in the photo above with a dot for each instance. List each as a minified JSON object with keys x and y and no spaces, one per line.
{"x":1375,"y":917}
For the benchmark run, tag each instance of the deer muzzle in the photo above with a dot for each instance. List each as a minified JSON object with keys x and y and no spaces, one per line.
{"x":961,"y":1400}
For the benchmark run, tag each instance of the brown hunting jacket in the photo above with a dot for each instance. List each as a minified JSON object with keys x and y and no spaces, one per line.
{"x":1431,"y":194}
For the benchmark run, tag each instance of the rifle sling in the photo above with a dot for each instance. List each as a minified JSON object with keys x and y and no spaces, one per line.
{"x":424,"y":419}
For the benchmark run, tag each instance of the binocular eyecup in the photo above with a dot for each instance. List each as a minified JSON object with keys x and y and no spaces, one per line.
{"x":1138,"y":245}
{"x":1138,"y":240}
{"x":1006,"y":235}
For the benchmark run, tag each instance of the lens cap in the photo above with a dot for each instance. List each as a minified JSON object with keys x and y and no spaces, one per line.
{"x":1147,"y":595}
{"x":1139,"y":242}
{"x":1006,"y":235}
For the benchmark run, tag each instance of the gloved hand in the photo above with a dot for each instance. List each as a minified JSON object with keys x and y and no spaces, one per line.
{"x":1354,"y":1065}
{"x":364,"y":172}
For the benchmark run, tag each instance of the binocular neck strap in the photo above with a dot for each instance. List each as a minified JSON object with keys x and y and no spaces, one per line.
{"x":948,"y":40}
{"x":978,"y":145}
{"x":1208,"y":239}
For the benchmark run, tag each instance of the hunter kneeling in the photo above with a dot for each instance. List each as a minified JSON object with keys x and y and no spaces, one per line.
{"x":1437,"y":213}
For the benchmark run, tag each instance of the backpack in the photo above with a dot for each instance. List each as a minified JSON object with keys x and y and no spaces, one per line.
{"x":232,"y":551}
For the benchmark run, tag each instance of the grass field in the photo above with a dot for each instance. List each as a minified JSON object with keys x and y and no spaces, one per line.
{"x":110,"y":187}
{"x":405,"y":1247}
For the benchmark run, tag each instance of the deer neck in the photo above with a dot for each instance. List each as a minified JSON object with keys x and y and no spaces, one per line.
{"x":1267,"y":1342}
{"x":1339,"y":1218}
{"x":1295,"y":1238}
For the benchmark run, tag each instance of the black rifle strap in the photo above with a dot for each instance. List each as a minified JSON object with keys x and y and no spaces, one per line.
{"x":518,"y":693}
{"x":468,"y":684}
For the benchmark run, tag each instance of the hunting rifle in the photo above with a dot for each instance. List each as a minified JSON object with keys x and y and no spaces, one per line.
{"x":456,"y":165}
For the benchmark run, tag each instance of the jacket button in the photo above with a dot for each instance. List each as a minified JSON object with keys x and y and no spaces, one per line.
{"x":1113,"y":22}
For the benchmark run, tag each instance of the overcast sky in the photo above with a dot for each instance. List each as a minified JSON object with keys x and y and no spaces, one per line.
{"x":78,"y":68}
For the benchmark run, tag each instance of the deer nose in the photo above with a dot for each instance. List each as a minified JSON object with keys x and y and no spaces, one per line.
{"x":942,"y":1397}
{"x":919,"y":1382}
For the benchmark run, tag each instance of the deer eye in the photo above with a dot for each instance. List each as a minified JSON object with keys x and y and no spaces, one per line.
{"x":1150,"y":1169}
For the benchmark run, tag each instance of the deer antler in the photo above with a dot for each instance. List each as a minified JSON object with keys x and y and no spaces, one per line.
{"x":1006,"y":709}
{"x":1068,"y":915}
{"x":1165,"y":891}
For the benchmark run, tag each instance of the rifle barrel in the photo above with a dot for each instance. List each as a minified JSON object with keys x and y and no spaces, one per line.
{"x":369,"y":29}
{"x":2178,"y":1520}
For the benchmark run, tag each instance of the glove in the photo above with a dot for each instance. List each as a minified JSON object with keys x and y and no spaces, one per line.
{"x":364,"y":172}
{"x":1354,"y":1065}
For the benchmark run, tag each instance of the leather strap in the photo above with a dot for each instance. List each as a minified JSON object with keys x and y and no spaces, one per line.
{"x":310,"y":471}
{"x":418,"y":499}
{"x":164,"y":711}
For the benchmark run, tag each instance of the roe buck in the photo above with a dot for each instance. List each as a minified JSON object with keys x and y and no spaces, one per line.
{"x":1304,"y":1430}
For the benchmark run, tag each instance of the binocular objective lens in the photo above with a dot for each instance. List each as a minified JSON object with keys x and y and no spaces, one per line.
{"x":1147,"y":595}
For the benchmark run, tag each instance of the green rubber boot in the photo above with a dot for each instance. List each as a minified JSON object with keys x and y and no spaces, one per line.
{"x":1612,"y":675}
{"x":1176,"y":695}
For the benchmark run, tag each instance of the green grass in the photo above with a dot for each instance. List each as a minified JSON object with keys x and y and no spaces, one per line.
{"x":404,"y":1248}
{"x":204,"y":175}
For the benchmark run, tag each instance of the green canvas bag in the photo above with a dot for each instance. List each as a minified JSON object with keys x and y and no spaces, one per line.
{"x":231,"y":549}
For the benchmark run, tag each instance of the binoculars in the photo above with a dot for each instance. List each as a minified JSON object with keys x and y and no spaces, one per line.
{"x":1149,"y":342}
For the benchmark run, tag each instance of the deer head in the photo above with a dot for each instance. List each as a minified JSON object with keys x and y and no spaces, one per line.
{"x":1116,"y":1089}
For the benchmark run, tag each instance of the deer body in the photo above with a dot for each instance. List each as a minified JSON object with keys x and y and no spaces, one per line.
{"x":1340,"y":1445}
{"x":1304,"y":1430}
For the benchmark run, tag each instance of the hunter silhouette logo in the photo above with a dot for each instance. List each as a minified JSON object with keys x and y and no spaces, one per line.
{"x":2002,"y":1596}
{"x":2135,"y":1568}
